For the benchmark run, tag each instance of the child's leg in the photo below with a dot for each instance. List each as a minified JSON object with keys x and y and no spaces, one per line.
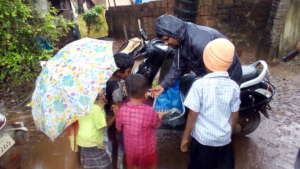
{"x":120,"y":156}
{"x":81,"y":156}
{"x":149,"y":161}
{"x":107,"y":144}
{"x":201,"y":157}
{"x":104,"y":161}
{"x":113,"y":140}
{"x":226,"y":157}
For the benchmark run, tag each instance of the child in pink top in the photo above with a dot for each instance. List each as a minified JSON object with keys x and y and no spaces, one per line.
{"x":138,"y":122}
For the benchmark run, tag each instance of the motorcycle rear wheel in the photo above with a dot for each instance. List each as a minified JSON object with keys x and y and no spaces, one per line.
{"x":249,"y":122}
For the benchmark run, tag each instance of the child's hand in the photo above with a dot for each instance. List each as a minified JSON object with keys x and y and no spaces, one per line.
{"x":115,"y":108}
{"x":148,"y":94}
{"x":184,"y":146}
{"x":110,"y":120}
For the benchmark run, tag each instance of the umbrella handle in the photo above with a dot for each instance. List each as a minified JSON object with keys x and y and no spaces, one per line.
{"x":74,"y":134}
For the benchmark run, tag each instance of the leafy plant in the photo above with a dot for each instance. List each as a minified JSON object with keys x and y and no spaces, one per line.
{"x":91,"y":17}
{"x":21,"y":26}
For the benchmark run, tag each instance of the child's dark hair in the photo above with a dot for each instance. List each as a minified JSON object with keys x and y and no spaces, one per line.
{"x":136,"y":86}
{"x":123,"y":61}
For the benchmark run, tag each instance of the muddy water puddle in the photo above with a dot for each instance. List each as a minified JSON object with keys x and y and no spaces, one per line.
{"x":51,"y":155}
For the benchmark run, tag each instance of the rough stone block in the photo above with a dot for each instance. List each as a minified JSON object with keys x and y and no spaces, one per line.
{"x":205,"y":3}
{"x":171,"y":3}
{"x":211,"y":22}
{"x":164,"y":3}
{"x":207,"y":21}
{"x":228,"y":2}
{"x":203,"y":11}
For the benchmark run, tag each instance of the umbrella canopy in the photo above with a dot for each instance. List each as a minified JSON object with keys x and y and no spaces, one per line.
{"x":69,"y":83}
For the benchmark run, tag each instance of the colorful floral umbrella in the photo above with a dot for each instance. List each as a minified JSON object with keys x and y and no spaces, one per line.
{"x":69,"y":84}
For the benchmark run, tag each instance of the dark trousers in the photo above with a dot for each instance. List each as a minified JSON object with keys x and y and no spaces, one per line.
{"x":207,"y":157}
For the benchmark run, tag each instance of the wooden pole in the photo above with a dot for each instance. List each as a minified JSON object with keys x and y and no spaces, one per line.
{"x":125,"y":31}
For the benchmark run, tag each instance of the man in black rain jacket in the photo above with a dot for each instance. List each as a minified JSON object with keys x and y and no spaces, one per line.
{"x":190,"y":40}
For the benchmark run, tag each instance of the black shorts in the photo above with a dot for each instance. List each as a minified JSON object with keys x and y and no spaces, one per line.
{"x":207,"y":157}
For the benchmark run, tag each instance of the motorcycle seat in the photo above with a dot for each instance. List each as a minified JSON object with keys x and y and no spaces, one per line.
{"x":249,"y":72}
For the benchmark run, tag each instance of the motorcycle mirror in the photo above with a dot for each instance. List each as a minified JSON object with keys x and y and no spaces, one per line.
{"x":162,"y":47}
{"x":142,"y":32}
{"x":158,"y":45}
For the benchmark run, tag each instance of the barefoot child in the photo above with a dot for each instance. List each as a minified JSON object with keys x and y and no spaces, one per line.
{"x":90,"y":138}
{"x":213,"y":103}
{"x":115,"y":93}
{"x":138,"y":121}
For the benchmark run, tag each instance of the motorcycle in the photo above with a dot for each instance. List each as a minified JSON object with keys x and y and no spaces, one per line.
{"x":10,"y":137}
{"x":256,"y":94}
{"x":256,"y":89}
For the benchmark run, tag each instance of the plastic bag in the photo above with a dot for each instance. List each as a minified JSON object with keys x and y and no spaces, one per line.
{"x":171,"y":100}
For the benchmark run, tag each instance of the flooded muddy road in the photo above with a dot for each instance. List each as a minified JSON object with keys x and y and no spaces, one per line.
{"x":273,"y":145}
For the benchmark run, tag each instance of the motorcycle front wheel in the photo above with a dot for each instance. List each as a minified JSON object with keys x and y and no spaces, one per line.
{"x":249,"y":122}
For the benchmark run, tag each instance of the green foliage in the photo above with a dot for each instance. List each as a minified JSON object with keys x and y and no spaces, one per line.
{"x":91,"y":17}
{"x":20,"y":25}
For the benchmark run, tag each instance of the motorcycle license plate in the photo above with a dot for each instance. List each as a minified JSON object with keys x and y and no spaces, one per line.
{"x":6,"y":142}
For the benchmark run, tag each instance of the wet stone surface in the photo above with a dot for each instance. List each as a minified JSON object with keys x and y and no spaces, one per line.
{"x":277,"y":140}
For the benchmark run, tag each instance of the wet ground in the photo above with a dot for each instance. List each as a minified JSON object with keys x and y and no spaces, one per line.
{"x":273,"y":145}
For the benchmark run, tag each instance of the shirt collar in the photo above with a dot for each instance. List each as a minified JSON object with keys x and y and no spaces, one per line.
{"x":217,"y":74}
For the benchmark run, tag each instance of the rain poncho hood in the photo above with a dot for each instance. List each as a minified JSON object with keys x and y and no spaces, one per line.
{"x":193,"y":39}
{"x":171,"y":26}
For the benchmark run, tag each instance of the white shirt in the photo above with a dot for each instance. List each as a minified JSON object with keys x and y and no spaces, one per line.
{"x":214,"y":97}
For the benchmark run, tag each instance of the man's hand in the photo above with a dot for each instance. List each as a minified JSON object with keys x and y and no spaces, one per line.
{"x":184,"y":146}
{"x":161,"y":114}
{"x":148,"y":94}
{"x":156,"y":91}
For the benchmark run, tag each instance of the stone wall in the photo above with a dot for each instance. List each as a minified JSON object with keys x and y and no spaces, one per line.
{"x":123,"y":19}
{"x":234,"y":18}
{"x":237,"y":19}
{"x":243,"y":21}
